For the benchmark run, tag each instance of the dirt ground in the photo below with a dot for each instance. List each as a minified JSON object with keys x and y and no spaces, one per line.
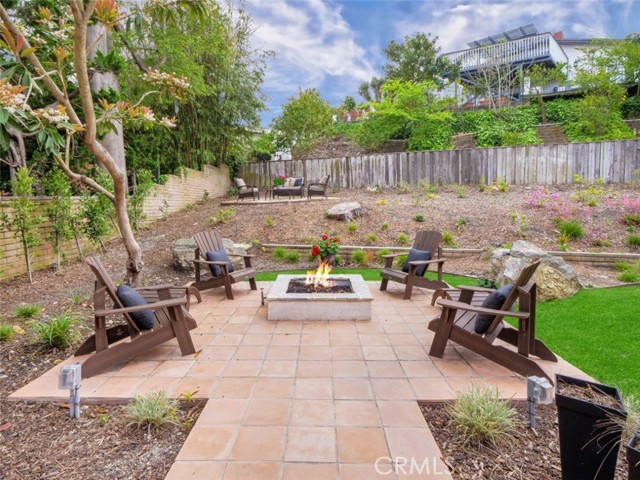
{"x":28,"y":432}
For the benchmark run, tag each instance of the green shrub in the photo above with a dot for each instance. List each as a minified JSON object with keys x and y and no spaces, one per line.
{"x":631,"y":107}
{"x":279,"y":254}
{"x":432,"y":131}
{"x":400,"y":260}
{"x":338,"y":260}
{"x":232,"y":192}
{"x":460,"y":222}
{"x":404,"y":187}
{"x":154,"y":409}
{"x":27,"y":311}
{"x":6,"y":332}
{"x":419,"y":218}
{"x":633,"y":240}
{"x":352,"y":227}
{"x":461,"y":191}
{"x":591,"y":196}
{"x":359,"y":258}
{"x":629,"y":276}
{"x":631,"y":219}
{"x":372,"y":237}
{"x":403,"y":239}
{"x":448,"y":240}
{"x":292,"y":257}
{"x":384,"y":227}
{"x":572,"y":229}
{"x":223,"y":216}
{"x":480,"y":416}
{"x":622,"y":266}
{"x":268,"y":221}
{"x":381,"y":253}
{"x":58,"y":332}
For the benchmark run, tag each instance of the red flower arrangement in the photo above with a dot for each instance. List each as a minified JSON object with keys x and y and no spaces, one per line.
{"x":326,"y":246}
{"x":279,"y":180}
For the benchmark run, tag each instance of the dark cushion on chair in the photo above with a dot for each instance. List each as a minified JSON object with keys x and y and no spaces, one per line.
{"x":298,"y":182}
{"x":494,"y":300}
{"x":414,"y":256}
{"x":219,"y":256}
{"x":130,"y":298}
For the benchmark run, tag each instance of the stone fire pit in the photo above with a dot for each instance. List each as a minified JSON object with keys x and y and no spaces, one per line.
{"x":319,"y":306}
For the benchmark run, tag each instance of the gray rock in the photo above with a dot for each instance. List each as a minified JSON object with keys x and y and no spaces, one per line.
{"x":184,"y":253}
{"x":554,"y":277}
{"x":345,"y":211}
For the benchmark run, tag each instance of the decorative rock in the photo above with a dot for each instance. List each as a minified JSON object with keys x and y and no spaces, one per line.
{"x":345,"y":211}
{"x":554,"y":277}
{"x":184,"y":253}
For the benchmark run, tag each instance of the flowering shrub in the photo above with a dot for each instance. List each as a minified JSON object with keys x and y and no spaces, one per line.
{"x":279,"y":180}
{"x":325,"y":247}
{"x":540,"y":196}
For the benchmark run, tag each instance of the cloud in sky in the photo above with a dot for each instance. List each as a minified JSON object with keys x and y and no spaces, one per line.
{"x":335,"y":45}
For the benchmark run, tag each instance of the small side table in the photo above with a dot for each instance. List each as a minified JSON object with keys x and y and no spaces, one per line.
{"x":268,"y":193}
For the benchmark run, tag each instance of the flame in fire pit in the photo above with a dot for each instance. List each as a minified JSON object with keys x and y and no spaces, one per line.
{"x":319,"y":277}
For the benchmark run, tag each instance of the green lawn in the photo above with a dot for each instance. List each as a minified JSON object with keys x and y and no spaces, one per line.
{"x":597,"y":330}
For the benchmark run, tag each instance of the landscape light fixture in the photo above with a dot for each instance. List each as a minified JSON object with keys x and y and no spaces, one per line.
{"x":70,"y":378}
{"x":539,"y":390}
{"x":262,"y":296}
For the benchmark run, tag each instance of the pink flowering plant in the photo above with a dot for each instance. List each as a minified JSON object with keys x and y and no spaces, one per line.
{"x":540,"y":196}
{"x":279,"y":180}
{"x":328,"y":245}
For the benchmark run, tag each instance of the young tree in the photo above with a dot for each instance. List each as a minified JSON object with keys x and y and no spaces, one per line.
{"x":53,"y":58}
{"x":304,"y":119}
{"x":417,"y":59}
{"x":58,"y":210}
{"x":540,"y":77}
{"x":23,"y":219}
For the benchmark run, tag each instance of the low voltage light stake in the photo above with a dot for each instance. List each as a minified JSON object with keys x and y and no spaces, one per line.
{"x":262,"y":296}
{"x":70,"y":378}
{"x":538,"y":391}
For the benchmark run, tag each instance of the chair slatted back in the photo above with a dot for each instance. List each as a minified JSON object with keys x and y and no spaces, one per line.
{"x":523,"y":279}
{"x":209,"y":241}
{"x":428,"y":240}
{"x":105,"y":283}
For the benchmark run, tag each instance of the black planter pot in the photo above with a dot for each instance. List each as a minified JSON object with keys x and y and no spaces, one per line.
{"x":633,"y":457}
{"x":589,"y":439}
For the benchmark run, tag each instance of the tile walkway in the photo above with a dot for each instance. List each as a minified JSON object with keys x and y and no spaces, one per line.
{"x":298,"y":400}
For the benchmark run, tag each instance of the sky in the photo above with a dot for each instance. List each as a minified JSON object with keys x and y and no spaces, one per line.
{"x":336,"y":45}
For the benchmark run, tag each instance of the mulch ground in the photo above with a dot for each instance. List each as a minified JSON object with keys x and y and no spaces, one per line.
{"x":533,"y":454}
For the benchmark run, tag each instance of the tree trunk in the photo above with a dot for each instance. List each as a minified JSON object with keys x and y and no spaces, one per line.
{"x":113,"y":142}
{"x":543,"y":112}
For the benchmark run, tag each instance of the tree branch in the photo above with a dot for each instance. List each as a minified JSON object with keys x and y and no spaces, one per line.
{"x":136,"y":58}
{"x":90,"y":182}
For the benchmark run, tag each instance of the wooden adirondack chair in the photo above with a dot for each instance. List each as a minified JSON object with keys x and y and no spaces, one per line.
{"x":211,"y":241}
{"x":425,"y":240}
{"x":169,"y":304}
{"x":457,"y":321}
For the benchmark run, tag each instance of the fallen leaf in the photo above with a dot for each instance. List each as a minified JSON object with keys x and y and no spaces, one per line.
{"x":197,"y":354}
{"x":19,"y":330}
{"x":57,"y":361}
{"x":6,"y":426}
{"x":62,"y":404}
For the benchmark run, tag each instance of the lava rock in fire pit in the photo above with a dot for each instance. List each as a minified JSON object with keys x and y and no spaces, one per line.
{"x":336,"y":285}
{"x":345,"y":211}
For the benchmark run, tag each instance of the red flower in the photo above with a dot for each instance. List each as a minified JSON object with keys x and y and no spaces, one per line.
{"x":324,"y":237}
{"x":315,"y":250}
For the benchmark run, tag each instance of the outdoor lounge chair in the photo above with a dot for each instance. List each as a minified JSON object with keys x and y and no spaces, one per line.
{"x":318,"y":189}
{"x":425,"y":246}
{"x":245,"y":190}
{"x":457,"y":323}
{"x":168,"y":305}
{"x":209,"y":245}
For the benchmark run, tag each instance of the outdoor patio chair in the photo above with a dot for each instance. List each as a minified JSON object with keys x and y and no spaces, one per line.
{"x":245,"y":190}
{"x":426,"y":251}
{"x":154,"y":315}
{"x":293,"y":187}
{"x":210,"y":252}
{"x":477,"y":327}
{"x":319,"y":188}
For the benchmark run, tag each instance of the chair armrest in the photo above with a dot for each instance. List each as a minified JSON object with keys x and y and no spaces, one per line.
{"x":172,"y":302}
{"x":207,"y":262}
{"x":426,"y":262}
{"x":470,"y":308}
{"x":317,"y":184}
{"x":240,"y":255}
{"x":471,"y":288}
{"x":158,"y":287}
{"x":393,"y":255}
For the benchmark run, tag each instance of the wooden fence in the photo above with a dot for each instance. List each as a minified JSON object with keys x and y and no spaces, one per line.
{"x":613,"y":162}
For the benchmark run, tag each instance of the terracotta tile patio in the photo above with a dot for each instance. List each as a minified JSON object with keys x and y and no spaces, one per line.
{"x":295,"y":400}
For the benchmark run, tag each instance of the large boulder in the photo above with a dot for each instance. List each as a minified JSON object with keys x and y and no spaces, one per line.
{"x":184,"y":253}
{"x":554,"y":277}
{"x":345,"y":211}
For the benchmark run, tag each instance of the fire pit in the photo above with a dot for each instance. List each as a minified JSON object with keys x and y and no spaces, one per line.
{"x":334,"y":297}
